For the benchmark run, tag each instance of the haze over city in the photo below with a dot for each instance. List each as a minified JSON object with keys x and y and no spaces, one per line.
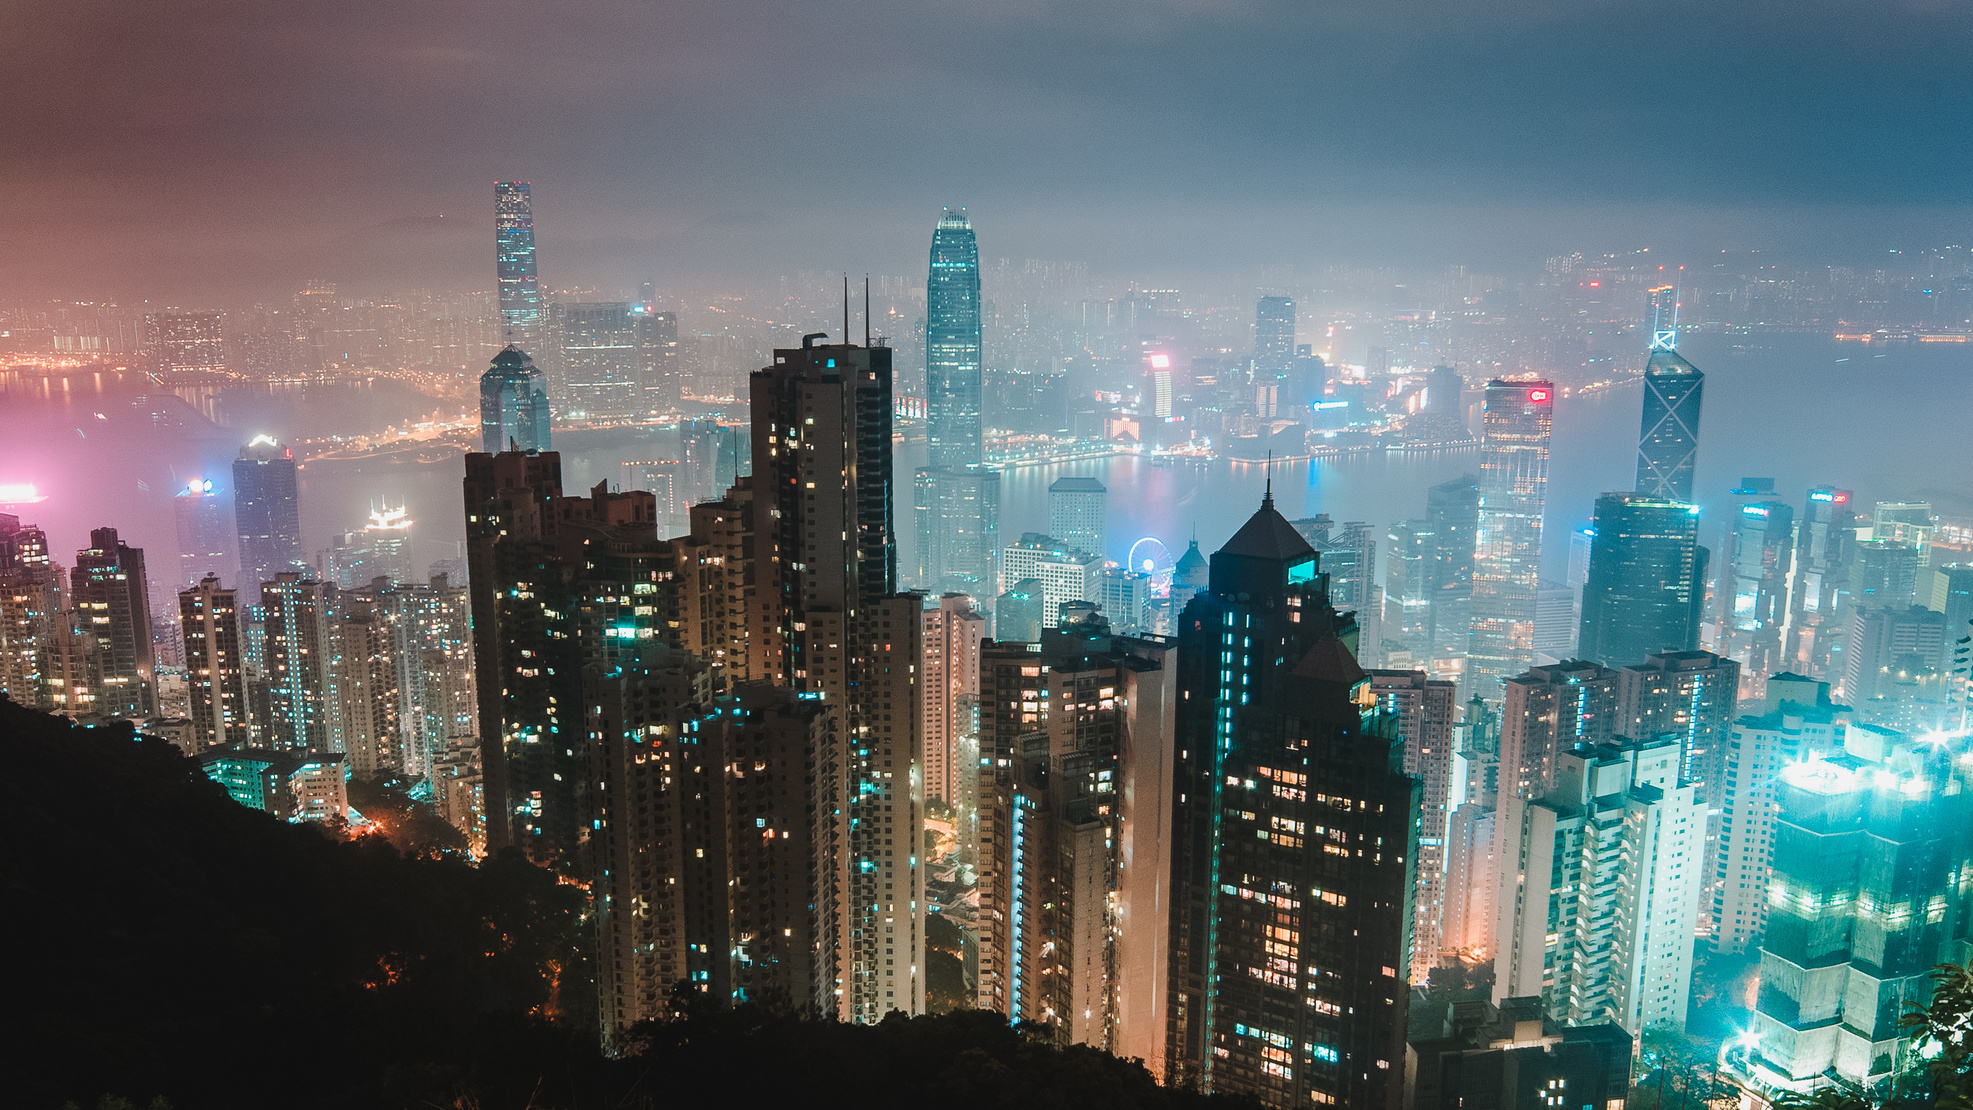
{"x":1409,"y":556}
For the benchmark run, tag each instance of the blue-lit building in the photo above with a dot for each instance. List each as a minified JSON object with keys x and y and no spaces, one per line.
{"x":513,"y":405}
{"x":953,"y":355}
{"x":956,"y":498}
{"x":1646,"y":588}
{"x":513,"y":239}
{"x":1668,"y":439}
{"x":267,"y":509}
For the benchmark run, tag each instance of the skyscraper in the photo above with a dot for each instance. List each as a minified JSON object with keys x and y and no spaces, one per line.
{"x":1823,"y":551}
{"x":951,"y":669}
{"x":30,"y":596}
{"x":596,"y":358}
{"x":823,"y":503}
{"x":1646,"y":589}
{"x":1600,"y":888}
{"x":513,"y":246}
{"x":1452,"y":509}
{"x":1859,"y":836}
{"x":1294,"y":845}
{"x":1507,"y":548}
{"x":956,"y":499}
{"x":268,"y":512}
{"x":957,"y":510}
{"x":1754,"y":586}
{"x":112,"y":601}
{"x":201,"y":521}
{"x":1274,"y":336}
{"x":215,"y":668}
{"x":514,"y":405}
{"x":1078,"y":514}
{"x":557,"y":583}
{"x":657,"y":360}
{"x":1668,"y":443}
{"x":1425,"y":710}
{"x":1075,"y":795}
{"x":1544,"y":714}
{"x":953,"y":354}
{"x":186,"y":346}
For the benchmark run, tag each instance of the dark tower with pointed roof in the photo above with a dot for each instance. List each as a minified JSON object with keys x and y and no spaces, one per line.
{"x":1292,"y":842}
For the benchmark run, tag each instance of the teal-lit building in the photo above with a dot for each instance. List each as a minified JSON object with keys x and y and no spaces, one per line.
{"x":953,"y":354}
{"x":514,"y":405}
{"x":293,"y":786}
{"x":1869,"y":891}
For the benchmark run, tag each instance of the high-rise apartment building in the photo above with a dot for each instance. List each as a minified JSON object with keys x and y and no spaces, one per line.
{"x":1513,"y":1057}
{"x":1274,"y":336}
{"x":201,"y":525}
{"x":1075,"y":801}
{"x":514,"y":405}
{"x":1884,"y":639}
{"x":1884,"y":572}
{"x":1066,"y":573}
{"x":1426,"y":711}
{"x":1600,"y":888}
{"x":1668,"y":440}
{"x":1824,"y":540}
{"x":1507,"y":547}
{"x":111,"y":597}
{"x":215,"y":666}
{"x":267,"y":511}
{"x":1754,"y":586}
{"x":1452,"y":509}
{"x":1646,"y":589}
{"x":297,"y":661}
{"x":1760,"y":748}
{"x":557,"y":583}
{"x":728,"y":613}
{"x":658,"y":370}
{"x":953,"y":354}
{"x":186,"y":346}
{"x":431,"y":644}
{"x":951,"y":669}
{"x":823,"y":496}
{"x":1471,"y":879}
{"x":513,"y":263}
{"x":957,"y":510}
{"x":1078,"y":514}
{"x":30,"y":603}
{"x":1294,"y":842}
{"x":596,"y":359}
{"x":1545,"y":713}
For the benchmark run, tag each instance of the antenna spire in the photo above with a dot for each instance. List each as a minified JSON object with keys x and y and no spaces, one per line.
{"x":1267,"y":468}
{"x":845,"y":308}
{"x":866,"y":310}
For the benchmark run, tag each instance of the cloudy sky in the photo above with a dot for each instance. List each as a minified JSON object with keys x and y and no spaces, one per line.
{"x":188,"y":150}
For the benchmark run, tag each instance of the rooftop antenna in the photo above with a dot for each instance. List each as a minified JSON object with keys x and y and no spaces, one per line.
{"x":866,"y":310}
{"x":845,"y":308}
{"x":1267,"y":468}
{"x":1664,"y":338}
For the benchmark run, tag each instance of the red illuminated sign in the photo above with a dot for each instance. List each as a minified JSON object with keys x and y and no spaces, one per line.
{"x":1537,"y":394}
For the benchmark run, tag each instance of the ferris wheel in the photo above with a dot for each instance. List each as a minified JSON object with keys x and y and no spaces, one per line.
{"x":1150,"y":556}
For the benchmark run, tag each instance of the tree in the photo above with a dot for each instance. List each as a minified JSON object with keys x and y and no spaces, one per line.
{"x":1943,"y":1032}
{"x":1822,"y":1098}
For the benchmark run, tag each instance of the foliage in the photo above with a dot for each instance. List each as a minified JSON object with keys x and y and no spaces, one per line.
{"x":171,"y":941}
{"x":412,"y":825}
{"x":1943,"y":1032}
{"x":1822,"y":1098}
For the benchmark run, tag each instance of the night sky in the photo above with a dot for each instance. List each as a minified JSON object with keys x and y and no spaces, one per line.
{"x":226,"y":150}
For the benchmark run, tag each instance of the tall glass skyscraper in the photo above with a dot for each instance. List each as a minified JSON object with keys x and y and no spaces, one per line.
{"x":513,"y":239}
{"x":957,"y":498}
{"x":1668,"y":442}
{"x":952,"y":344}
{"x":1507,"y":548}
{"x":1274,"y":335}
{"x":267,"y":509}
{"x":513,"y":405}
{"x":1647,"y":580}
